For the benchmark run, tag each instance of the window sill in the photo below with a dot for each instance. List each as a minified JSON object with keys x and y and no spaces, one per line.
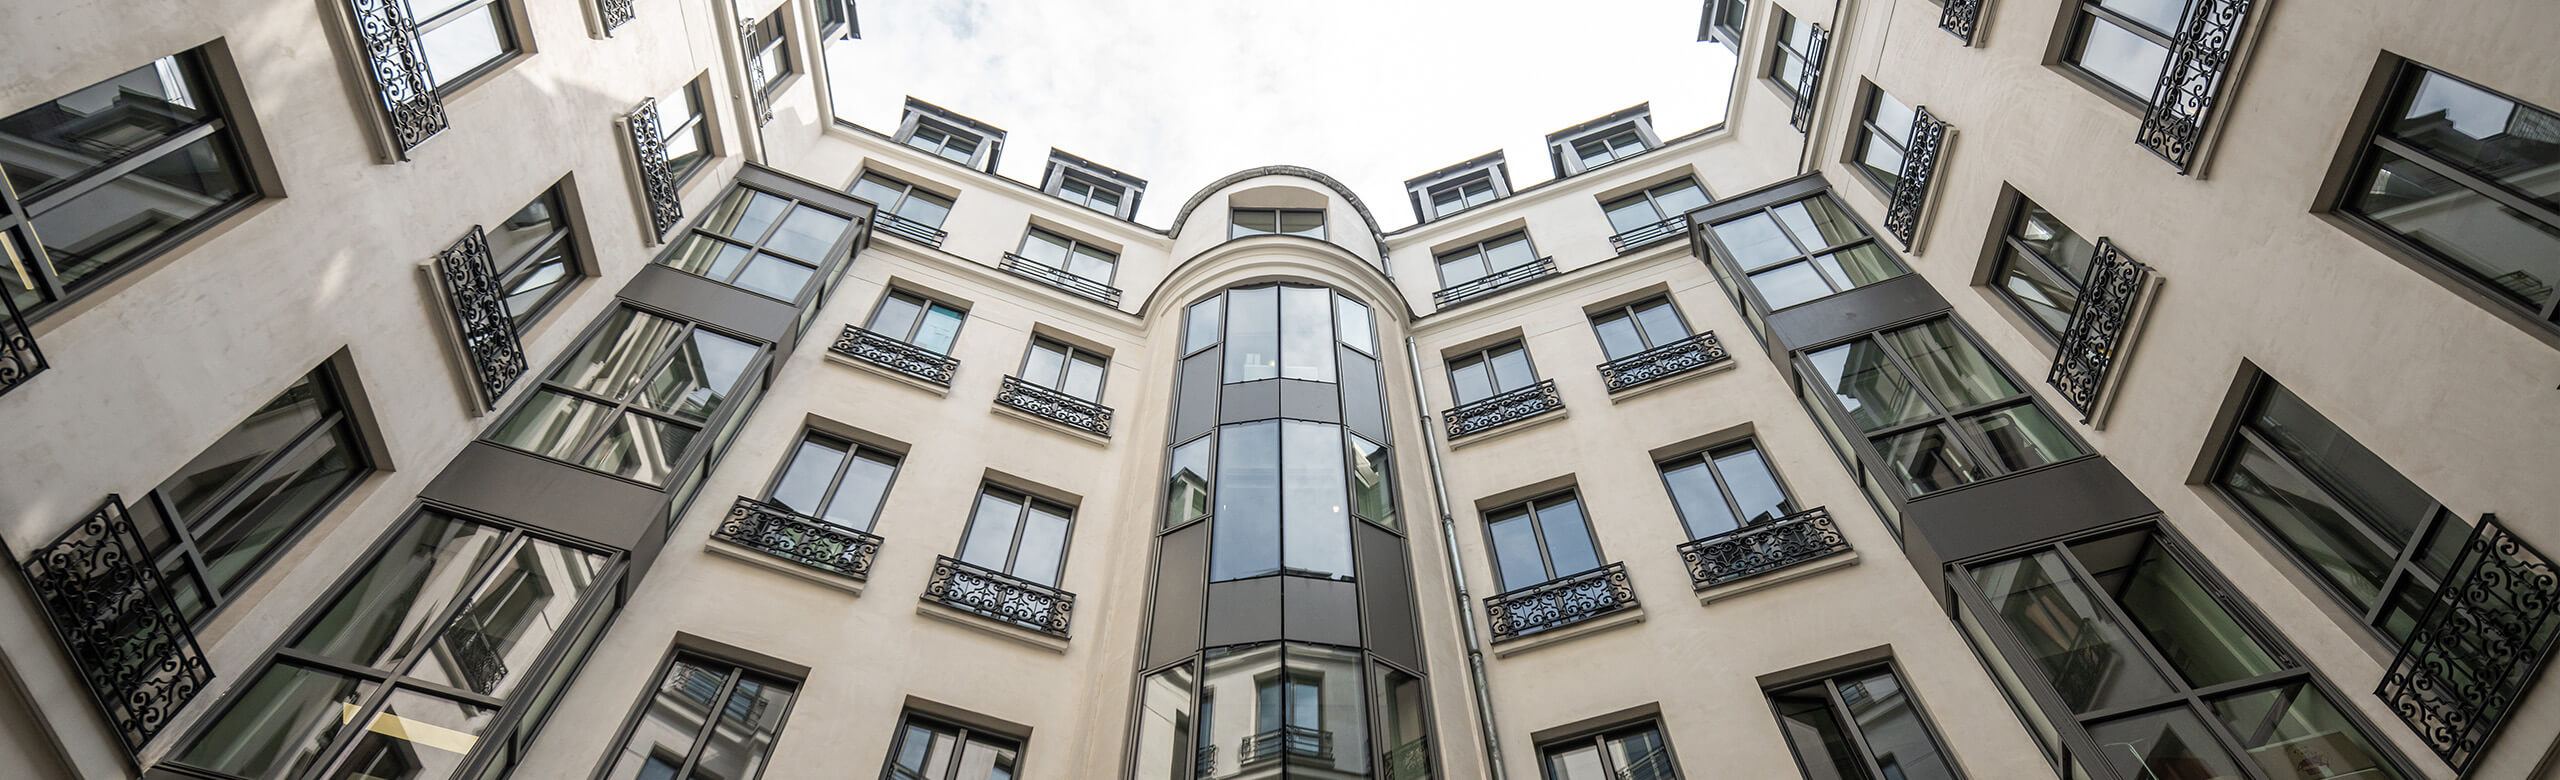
{"x":1627,"y":617}
{"x":760,"y":559}
{"x":1773,"y":579}
{"x":982,"y":624}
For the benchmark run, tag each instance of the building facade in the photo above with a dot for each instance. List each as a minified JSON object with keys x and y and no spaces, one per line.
{"x":553,"y":388}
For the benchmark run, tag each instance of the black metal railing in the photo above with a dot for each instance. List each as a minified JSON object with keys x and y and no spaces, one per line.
{"x":1000,"y":596}
{"x":1055,"y":406}
{"x":1503,"y":409}
{"x":1409,"y":761}
{"x":895,"y":355}
{"x":909,"y":229}
{"x":1760,"y":548}
{"x":20,"y":358}
{"x":398,"y":71}
{"x":2098,"y":335}
{"x":776,"y":530}
{"x":1207,"y":763}
{"x":757,"y":80}
{"x":477,"y":300}
{"x":1495,"y":282}
{"x":657,"y":176}
{"x":1673,"y":359}
{"x":1560,"y":602}
{"x":1650,"y":234}
{"x":1910,"y":197}
{"x":1291,"y":741}
{"x":1961,"y":18}
{"x":2193,"y":81}
{"x":2478,"y":646}
{"x":1809,"y":83}
{"x":112,"y":613}
{"x":1059,"y":278}
{"x":615,"y":13}
{"x":475,"y":652}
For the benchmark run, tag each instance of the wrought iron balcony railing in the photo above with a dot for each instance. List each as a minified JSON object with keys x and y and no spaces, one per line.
{"x":1760,"y":548}
{"x":1409,"y":761}
{"x":615,"y":13}
{"x":2478,"y":647}
{"x":1650,"y":234}
{"x":649,"y":149}
{"x":2101,"y":328}
{"x":20,"y":359}
{"x":1673,"y":359}
{"x":1502,"y":409}
{"x":1056,"y":407}
{"x":1910,"y":197}
{"x":1495,"y":282}
{"x":477,"y":300}
{"x":407,"y":98}
{"x":1560,"y":602}
{"x":1291,"y":741}
{"x":472,"y":649}
{"x":798,"y":538}
{"x":757,"y":79}
{"x":999,"y":596}
{"x":1961,"y":18}
{"x":1059,"y":278}
{"x":1809,"y":83}
{"x":909,"y":229}
{"x":1207,"y":764}
{"x":895,"y":355}
{"x":2192,"y":83}
{"x":111,"y":611}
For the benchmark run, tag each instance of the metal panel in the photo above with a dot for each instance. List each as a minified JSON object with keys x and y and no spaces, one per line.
{"x":1259,"y":400}
{"x":1304,"y":400}
{"x":1244,"y":611}
{"x":1181,"y":577}
{"x":1899,"y":299}
{"x":712,"y":303}
{"x":1326,"y":611}
{"x":1196,"y":406}
{"x":1386,"y":595}
{"x":2027,"y":507}
{"x":1364,"y":408}
{"x":550,"y":495}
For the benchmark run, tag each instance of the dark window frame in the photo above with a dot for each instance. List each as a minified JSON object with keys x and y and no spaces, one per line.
{"x":2009,"y":249}
{"x":1067,"y":353}
{"x":1829,"y":680}
{"x":503,"y":14}
{"x":907,"y":193}
{"x":1745,"y":285}
{"x":952,"y":136}
{"x":1481,"y":250}
{"x":1780,"y":50}
{"x":1538,"y":528}
{"x":773,"y":33}
{"x":736,"y":672}
{"x":1095,"y":188}
{"x":925,"y":304}
{"x":2085,"y":15}
{"x":1941,"y":416}
{"x":1484,"y":356}
{"x":962,"y":735}
{"x":1869,"y":103}
{"x":1631,"y":311}
{"x":1654,"y":201}
{"x":1598,"y":739}
{"x":1236,"y":230}
{"x":698,"y":122}
{"x":1726,"y":18}
{"x":1072,"y":243}
{"x":1462,"y":188}
{"x":748,"y":385}
{"x":576,"y":262}
{"x":1606,"y":140}
{"x":1021,"y":526}
{"x":853,"y":449}
{"x":1706,"y":456}
{"x":822,"y":269}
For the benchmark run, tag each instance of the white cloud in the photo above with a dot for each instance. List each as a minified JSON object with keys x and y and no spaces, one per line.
{"x":1180,"y":92}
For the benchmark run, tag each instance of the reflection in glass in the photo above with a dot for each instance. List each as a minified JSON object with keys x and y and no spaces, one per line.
{"x":381,"y":616}
{"x":2088,"y":656}
{"x":1316,"y":531}
{"x":2021,"y":437}
{"x":2293,"y":732}
{"x":681,"y":706}
{"x":124,"y":218}
{"x":1201,"y":329}
{"x":1955,"y":372}
{"x":415,"y":737}
{"x":1186,"y":491}
{"x":280,"y":725}
{"x":1245,"y":539}
{"x":2200,"y":639}
{"x":1372,"y":494}
{"x":1891,"y":727}
{"x":1404,"y":737}
{"x":519,"y":606}
{"x":1869,"y":387}
{"x":2162,"y":743}
{"x":1306,"y":333}
{"x":1165,"y":725}
{"x":1253,"y":334}
{"x":2125,"y":60}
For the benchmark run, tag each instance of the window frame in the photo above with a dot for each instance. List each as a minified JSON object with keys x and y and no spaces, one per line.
{"x":1728,"y":18}
{"x":2084,"y":16}
{"x":697,"y":122}
{"x":576,"y":262}
{"x":1749,"y":287}
{"x":821,"y":269}
{"x":1094,"y":189}
{"x":1598,"y":739}
{"x":503,"y":15}
{"x":1653,"y":201}
{"x":773,"y":34}
{"x":853,"y":449}
{"x":1780,"y":50}
{"x":1236,"y":230}
{"x":1632,"y":311}
{"x":1067,"y":354}
{"x":2009,"y":249}
{"x":737,"y":672}
{"x":1706,"y":456}
{"x":748,"y":385}
{"x":1538,"y":527}
{"x":1605,"y":139}
{"x":1870,"y":103}
{"x":1072,"y":244}
{"x":1484,"y":356}
{"x":1481,"y":250}
{"x":951,"y":137}
{"x":961,"y":735}
{"x":1461,"y":187}
{"x":1941,"y":416}
{"x":1829,"y":680}
{"x":1021,"y":526}
{"x":906,"y":193}
{"x":924,"y":304}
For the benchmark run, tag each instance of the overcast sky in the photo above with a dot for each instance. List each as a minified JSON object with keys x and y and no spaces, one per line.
{"x":1180,"y":92}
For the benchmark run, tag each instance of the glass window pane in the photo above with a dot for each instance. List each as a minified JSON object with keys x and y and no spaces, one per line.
{"x":1186,"y":486}
{"x":1305,"y":224}
{"x":1402,"y":731}
{"x":1471,"y":380}
{"x":124,"y":218}
{"x":1044,"y":545}
{"x":1892,"y":118}
{"x":1816,"y":223}
{"x":803,"y":487}
{"x":896,"y":317}
{"x":2129,"y":61}
{"x":991,"y":531}
{"x":2201,"y":639}
{"x":1868,"y":386}
{"x":1568,"y":537}
{"x":939,"y":329}
{"x":2309,"y":521}
{"x":535,"y":282}
{"x":1462,"y":267}
{"x":280,"y":724}
{"x":1755,"y":488}
{"x":1661,"y":323}
{"x":1511,"y":369}
{"x":387,"y":610}
{"x":1372,"y":494}
{"x":1044,"y":365}
{"x":922,"y":749}
{"x":1202,"y":328}
{"x":2056,"y":243}
{"x":2160,"y":15}
{"x":1250,"y":222}
{"x":553,"y":425}
{"x":2360,"y":478}
{"x":2164,"y":743}
{"x":1046,"y":248}
{"x":1858,"y":266}
{"x":2021,"y":437}
{"x":1084,"y":378}
{"x":2293,"y":732}
{"x":2480,"y":131}
{"x":1895,"y":735}
{"x":2040,"y":294}
{"x":880,"y":192}
{"x":697,"y":380}
{"x":1631,"y":212}
{"x":1677,"y":199}
{"x":748,"y":725}
{"x":1357,"y":329}
{"x":1881,"y":160}
{"x":744,"y":214}
{"x":520,"y":232}
{"x":1245,"y":537}
{"x":1821,"y":744}
{"x":415,"y":735}
{"x":856,"y":504}
{"x":1948,"y":364}
{"x":1508,"y":253}
{"x":1701,"y":506}
{"x":925,"y":207}
{"x":1306,"y":333}
{"x":2090,"y":658}
{"x":283,"y":500}
{"x":1618,"y":336}
{"x":640,"y":447}
{"x":456,"y":47}
{"x":235,"y":457}
{"x":1317,"y":531}
{"x":1790,"y":284}
{"x":103,"y":123}
{"x":612,"y":361}
{"x":1253,"y":334}
{"x":705,"y":256}
{"x":807,"y":234}
{"x":1515,"y":550}
{"x":1755,"y":241}
{"x":665,"y":733}
{"x":1092,"y":263}
{"x":774,"y":277}
{"x":1926,"y":460}
{"x":1165,"y":745}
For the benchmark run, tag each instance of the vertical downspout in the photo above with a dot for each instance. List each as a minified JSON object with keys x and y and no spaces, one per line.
{"x":1481,"y":689}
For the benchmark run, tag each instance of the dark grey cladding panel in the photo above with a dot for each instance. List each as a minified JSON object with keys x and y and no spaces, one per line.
{"x":2020,"y":509}
{"x":1862,"y":310}
{"x":1386,"y":594}
{"x":1244,"y":611}
{"x":1181,"y":571}
{"x":1363,"y":397}
{"x":551,"y":495}
{"x":1326,"y":611}
{"x":1248,"y":401}
{"x":711,"y":303}
{"x":823,"y":196}
{"x":1196,"y":409}
{"x":1304,"y":400}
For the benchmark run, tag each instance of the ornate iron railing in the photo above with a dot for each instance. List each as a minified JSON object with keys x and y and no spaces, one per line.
{"x":1673,"y":359}
{"x":1560,"y":602}
{"x":1292,"y":741}
{"x":776,"y":530}
{"x":1059,"y":278}
{"x":911,"y":230}
{"x":1055,"y":406}
{"x":1503,"y":409}
{"x":2099,"y":333}
{"x":481,"y":322}
{"x":615,"y":13}
{"x":1760,"y":548}
{"x":2478,"y":647}
{"x":398,"y":71}
{"x":895,"y":355}
{"x":1495,"y":282}
{"x":20,"y":359}
{"x":1962,"y":18}
{"x":1649,"y":234}
{"x":1003,"y":597}
{"x":657,"y":176}
{"x":111,"y":611}
{"x":756,"y":78}
{"x":1809,"y":83}
{"x":2191,"y":84}
{"x":1919,"y":170}
{"x":1409,"y":761}
{"x":483,"y":667}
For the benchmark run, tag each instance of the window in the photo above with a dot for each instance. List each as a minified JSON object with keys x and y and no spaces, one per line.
{"x":928,"y":749}
{"x":772,"y":43}
{"x":837,"y":15}
{"x":1541,"y":540}
{"x":917,"y":320}
{"x":1884,"y":136}
{"x":629,"y":401}
{"x":1861,"y":724}
{"x":1728,"y":18}
{"x":2124,"y":44}
{"x":2154,"y":668}
{"x":1459,"y":196}
{"x":1608,"y":146}
{"x":1485,"y":258}
{"x":2458,"y":175}
{"x":1486,"y":373}
{"x":461,"y":39}
{"x":1070,"y":255}
{"x":759,"y":242}
{"x":2378,"y":541}
{"x":1016,"y":534}
{"x":1653,"y":206}
{"x":1637,"y":327}
{"x":953,"y":145}
{"x":703,"y":719}
{"x":1091,"y":194}
{"x":1280,"y":502}
{"x":903,"y":199}
{"x":1804,"y":251}
{"x":1635,"y":752}
{"x":1303,"y":223}
{"x":1939,"y":410}
{"x":1292,"y":705}
{"x":113,"y":174}
{"x":536,"y":257}
{"x":686,"y":131}
{"x":1725,"y":488}
{"x":2041,"y":266}
{"x":441,"y":633}
{"x":1281,"y":331}
{"x":1067,"y":369}
{"x":227,"y":514}
{"x":1795,"y":58}
{"x":835,"y":480}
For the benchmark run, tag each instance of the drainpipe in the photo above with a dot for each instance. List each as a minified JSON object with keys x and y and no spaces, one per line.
{"x":1481,"y":689}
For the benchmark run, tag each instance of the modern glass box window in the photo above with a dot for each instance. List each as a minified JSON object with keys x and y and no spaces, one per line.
{"x":703,"y":719}
{"x":1303,"y":223}
{"x":938,"y":139}
{"x":1608,"y":146}
{"x":835,"y":480}
{"x":1860,"y":724}
{"x":1453,"y":197}
{"x":1938,"y":409}
{"x":1884,"y":138}
{"x":773,"y":52}
{"x":1294,"y":705}
{"x":537,"y":258}
{"x":1068,"y":369}
{"x":929,"y":749}
{"x":759,"y":242}
{"x":1281,"y":502}
{"x":462,"y":39}
{"x":2461,"y":177}
{"x":1804,"y":251}
{"x":1637,"y":752}
{"x":1489,"y":372}
{"x":923,"y":322}
{"x":112,"y":175}
{"x":631,"y":398}
{"x":1540,"y":540}
{"x":1637,"y":327}
{"x":1070,"y":255}
{"x":914,"y":203}
{"x":2041,"y":267}
{"x":1653,"y":205}
{"x":1284,"y":331}
{"x":1485,"y":258}
{"x":685,"y":128}
{"x":1013,"y":533}
{"x":2124,"y":43}
{"x":1725,"y":488}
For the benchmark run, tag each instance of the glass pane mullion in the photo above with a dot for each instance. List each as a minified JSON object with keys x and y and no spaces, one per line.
{"x":2459,"y":175}
{"x":710,"y":721}
{"x":1848,"y":720}
{"x":55,"y":193}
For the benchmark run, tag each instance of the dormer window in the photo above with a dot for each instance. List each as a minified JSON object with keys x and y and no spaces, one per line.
{"x":1456,"y":196}
{"x":1617,"y":144}
{"x":1084,"y":183}
{"x":954,"y":146}
{"x":1303,"y":223}
{"x":941,"y":133}
{"x":1602,"y":141}
{"x":1459,"y":187}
